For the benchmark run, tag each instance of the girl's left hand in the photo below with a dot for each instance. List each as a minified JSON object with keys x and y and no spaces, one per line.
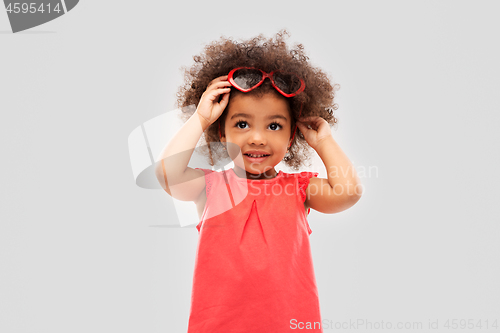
{"x":320,"y":129}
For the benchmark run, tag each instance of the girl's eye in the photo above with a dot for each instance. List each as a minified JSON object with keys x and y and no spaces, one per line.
{"x":240,"y":122}
{"x":276,"y":124}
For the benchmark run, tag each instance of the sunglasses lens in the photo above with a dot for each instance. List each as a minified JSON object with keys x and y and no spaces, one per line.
{"x":288,"y":83}
{"x":247,"y":78}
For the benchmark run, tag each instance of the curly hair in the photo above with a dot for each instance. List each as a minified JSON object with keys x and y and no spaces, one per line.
{"x":220,"y":57}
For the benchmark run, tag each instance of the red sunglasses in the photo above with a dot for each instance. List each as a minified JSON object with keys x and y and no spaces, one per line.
{"x":246,"y":79}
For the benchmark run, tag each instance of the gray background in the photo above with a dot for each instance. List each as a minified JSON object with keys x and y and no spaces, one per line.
{"x":79,"y":250}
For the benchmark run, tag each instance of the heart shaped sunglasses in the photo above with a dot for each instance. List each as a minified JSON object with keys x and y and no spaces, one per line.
{"x":246,"y":79}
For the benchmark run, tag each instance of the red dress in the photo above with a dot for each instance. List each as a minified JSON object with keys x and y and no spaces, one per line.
{"x":253,"y":269}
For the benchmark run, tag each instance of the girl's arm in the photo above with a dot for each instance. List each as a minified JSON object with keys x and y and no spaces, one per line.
{"x":343,"y":187}
{"x":176,"y":178}
{"x":180,"y":181}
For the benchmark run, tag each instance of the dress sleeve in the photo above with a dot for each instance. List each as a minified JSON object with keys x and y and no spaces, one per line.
{"x":208,"y":180}
{"x":304,"y":182}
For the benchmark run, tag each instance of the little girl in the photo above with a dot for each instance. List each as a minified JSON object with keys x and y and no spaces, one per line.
{"x":259,"y":103}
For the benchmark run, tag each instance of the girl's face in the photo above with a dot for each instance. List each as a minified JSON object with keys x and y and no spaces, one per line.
{"x":257,"y":125}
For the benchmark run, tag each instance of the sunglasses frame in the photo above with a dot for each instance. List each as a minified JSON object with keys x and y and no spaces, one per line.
{"x":264,"y":76}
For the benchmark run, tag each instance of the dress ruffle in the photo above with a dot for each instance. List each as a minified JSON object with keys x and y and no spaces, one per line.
{"x":303,"y":179}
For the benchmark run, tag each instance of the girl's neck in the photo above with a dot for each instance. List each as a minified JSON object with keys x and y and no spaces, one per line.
{"x":241,"y":173}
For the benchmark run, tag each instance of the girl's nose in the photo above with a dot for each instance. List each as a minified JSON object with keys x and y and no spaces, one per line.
{"x":257,"y":138}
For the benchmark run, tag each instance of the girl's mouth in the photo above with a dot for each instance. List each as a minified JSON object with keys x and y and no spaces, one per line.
{"x":256,"y":158}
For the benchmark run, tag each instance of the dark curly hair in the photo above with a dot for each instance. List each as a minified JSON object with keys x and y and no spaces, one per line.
{"x":220,"y":57}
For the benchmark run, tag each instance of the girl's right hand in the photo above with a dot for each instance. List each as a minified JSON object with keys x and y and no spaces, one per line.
{"x":209,"y":109}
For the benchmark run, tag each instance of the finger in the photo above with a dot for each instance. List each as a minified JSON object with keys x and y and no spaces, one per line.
{"x":224,"y":100}
{"x":217,"y":79}
{"x":223,"y":77}
{"x":213,"y":94}
{"x":222,"y":84}
{"x":302,"y":127}
{"x":305,"y":127}
{"x":218,"y":85}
